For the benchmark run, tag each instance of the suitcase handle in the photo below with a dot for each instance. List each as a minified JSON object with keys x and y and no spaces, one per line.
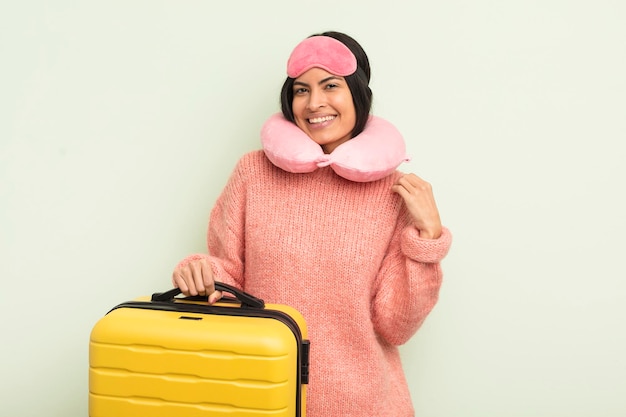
{"x":246,"y":300}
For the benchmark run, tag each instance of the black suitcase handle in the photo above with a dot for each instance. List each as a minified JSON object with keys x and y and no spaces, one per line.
{"x":246,"y":300}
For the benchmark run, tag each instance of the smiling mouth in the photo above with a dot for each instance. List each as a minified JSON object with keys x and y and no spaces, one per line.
{"x":317,"y":120}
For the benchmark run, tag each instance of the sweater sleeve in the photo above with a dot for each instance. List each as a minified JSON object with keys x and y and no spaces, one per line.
{"x":225,"y":232}
{"x":408,"y":282}
{"x":225,"y":235}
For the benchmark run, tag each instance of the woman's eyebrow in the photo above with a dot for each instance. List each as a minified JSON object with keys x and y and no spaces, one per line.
{"x":332,"y":77}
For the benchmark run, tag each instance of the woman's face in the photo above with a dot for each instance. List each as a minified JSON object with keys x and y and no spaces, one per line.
{"x":323,"y":108}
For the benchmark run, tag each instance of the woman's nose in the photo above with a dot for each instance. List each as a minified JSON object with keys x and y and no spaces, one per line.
{"x":316,"y":100}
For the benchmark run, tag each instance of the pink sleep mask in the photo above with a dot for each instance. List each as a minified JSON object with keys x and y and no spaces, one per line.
{"x":321,"y":52}
{"x":373,"y":154}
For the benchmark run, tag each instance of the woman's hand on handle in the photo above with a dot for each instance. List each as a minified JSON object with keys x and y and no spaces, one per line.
{"x":196,"y":278}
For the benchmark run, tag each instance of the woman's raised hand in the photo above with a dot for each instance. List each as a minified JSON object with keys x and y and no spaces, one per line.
{"x":420,"y":201}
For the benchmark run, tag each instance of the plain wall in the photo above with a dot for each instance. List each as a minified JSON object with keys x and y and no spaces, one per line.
{"x":120,"y":122}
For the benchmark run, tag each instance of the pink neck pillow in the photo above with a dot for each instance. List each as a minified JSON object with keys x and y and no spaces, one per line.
{"x":373,"y":154}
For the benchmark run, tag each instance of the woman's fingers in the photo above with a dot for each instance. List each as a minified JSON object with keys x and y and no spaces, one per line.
{"x":420,"y":201}
{"x":197,"y":281}
{"x":195,"y":278}
{"x":208,"y":283}
{"x":215,"y":296}
{"x":179,"y":281}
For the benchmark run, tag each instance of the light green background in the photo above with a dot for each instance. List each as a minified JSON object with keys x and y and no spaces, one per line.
{"x":120,"y":122}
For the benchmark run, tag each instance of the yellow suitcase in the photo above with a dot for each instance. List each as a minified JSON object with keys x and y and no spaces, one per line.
{"x":166,"y":356}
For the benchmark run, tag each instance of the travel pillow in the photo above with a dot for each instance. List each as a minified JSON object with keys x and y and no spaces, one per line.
{"x":373,"y":154}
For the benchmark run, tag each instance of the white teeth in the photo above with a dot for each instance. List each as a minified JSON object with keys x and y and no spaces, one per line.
{"x":321,"y":119}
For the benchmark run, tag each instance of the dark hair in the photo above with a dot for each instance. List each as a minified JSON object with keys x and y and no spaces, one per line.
{"x":358,"y":83}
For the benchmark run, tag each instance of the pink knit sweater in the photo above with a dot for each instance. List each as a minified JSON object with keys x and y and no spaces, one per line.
{"x":346,"y":255}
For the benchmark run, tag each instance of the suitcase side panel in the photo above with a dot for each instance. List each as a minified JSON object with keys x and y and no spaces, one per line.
{"x":166,"y":363}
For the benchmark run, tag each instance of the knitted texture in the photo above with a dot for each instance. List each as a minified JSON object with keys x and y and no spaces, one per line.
{"x":346,"y":255}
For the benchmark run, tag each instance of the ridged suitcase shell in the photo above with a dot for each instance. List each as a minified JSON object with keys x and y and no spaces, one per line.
{"x":188,"y":359}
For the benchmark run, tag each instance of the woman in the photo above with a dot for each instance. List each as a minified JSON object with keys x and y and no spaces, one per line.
{"x":354,"y":246}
